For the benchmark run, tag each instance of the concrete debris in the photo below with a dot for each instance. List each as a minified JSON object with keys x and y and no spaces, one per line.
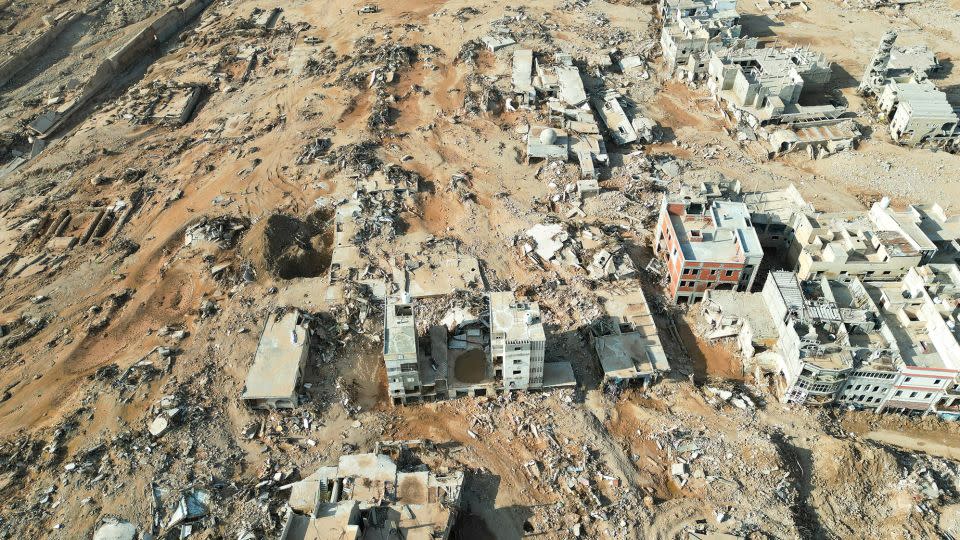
{"x":115,"y":529}
{"x":218,"y":219}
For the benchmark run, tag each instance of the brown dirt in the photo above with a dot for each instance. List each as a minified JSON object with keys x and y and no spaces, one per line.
{"x":288,"y":247}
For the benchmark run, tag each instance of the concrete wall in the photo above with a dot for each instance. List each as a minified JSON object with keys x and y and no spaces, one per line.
{"x":160,"y":30}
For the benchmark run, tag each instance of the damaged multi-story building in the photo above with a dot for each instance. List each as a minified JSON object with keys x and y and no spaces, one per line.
{"x":400,"y":352}
{"x":880,"y":245}
{"x":503,"y":348}
{"x":693,"y":29}
{"x":572,"y":130}
{"x":918,"y":112}
{"x":389,"y":493}
{"x":763,"y":88}
{"x":884,"y":345}
{"x":626,"y":339}
{"x":706,"y":244}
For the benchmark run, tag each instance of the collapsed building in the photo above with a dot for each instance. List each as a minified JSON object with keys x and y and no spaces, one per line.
{"x":388,"y":493}
{"x":278,"y":365}
{"x":161,"y":29}
{"x":763,"y":89}
{"x":573,"y":130}
{"x":168,"y":103}
{"x":877,"y":345}
{"x":626,"y":340}
{"x":694,"y":29}
{"x":917,"y":111}
{"x":503,"y":348}
{"x":706,"y":244}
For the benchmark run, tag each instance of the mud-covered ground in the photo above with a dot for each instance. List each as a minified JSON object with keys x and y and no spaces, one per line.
{"x":233,"y":220}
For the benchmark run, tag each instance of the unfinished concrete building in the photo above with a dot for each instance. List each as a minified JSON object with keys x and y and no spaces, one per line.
{"x":767,"y":84}
{"x":692,"y":30}
{"x":385,"y":494}
{"x":845,"y":245}
{"x":926,"y":226}
{"x":706,"y":244}
{"x":763,"y":89}
{"x":279,"y":362}
{"x":918,"y":112}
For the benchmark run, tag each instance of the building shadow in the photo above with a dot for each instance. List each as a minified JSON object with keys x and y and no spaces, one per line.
{"x":479,"y":517}
{"x":944,"y":70}
{"x":841,"y":79}
{"x":799,"y":464}
{"x":759,"y":26}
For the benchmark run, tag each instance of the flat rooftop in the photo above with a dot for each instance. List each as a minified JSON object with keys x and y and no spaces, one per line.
{"x":725,"y":233}
{"x":276,"y":365}
{"x":400,"y":330}
{"x":516,"y":319}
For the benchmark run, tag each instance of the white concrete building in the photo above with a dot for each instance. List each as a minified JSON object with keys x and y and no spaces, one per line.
{"x":517,"y":341}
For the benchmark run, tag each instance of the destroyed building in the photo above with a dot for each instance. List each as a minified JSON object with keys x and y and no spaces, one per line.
{"x":384,"y":494}
{"x":502,"y":349}
{"x":763,"y":89}
{"x":573,"y":130}
{"x":274,"y":377}
{"x":523,"y":91}
{"x":162,"y":103}
{"x":918,"y":112}
{"x":693,"y":30}
{"x":626,"y":340}
{"x":706,"y":245}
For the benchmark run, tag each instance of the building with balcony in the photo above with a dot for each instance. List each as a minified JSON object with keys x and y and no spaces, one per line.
{"x":886,"y":346}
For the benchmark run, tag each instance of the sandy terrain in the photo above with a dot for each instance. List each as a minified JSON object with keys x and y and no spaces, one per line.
{"x":79,"y":393}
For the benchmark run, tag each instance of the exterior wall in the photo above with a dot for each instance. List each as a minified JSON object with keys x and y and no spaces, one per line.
{"x":907,"y":129}
{"x":867,"y":388}
{"x":522,"y":363}
{"x":919,"y":389}
{"x":891,"y":270}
